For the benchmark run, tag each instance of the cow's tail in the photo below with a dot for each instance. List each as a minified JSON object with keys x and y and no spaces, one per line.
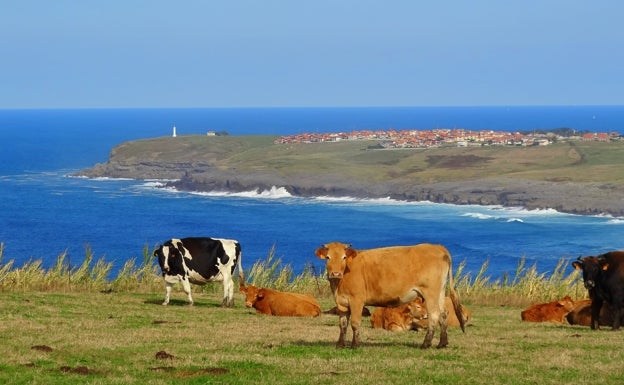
{"x":239,"y":263}
{"x":454,"y":297}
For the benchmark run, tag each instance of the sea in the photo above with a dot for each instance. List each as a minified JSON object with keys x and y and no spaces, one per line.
{"x":45,"y":212}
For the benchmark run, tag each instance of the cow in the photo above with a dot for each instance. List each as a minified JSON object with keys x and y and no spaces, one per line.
{"x":555,"y":311}
{"x":199,"y":260}
{"x":279,"y":303}
{"x":400,"y":318}
{"x":581,"y":314}
{"x":413,"y":316}
{"x":603,"y":277}
{"x":389,"y":276}
{"x":422,"y":322}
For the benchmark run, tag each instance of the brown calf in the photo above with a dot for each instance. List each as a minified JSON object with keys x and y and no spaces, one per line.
{"x":581,"y":314}
{"x":555,"y":311}
{"x":400,"y":318}
{"x":413,"y":316}
{"x":279,"y":303}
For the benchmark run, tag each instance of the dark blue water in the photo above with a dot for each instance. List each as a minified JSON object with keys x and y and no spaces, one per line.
{"x":43,"y":212}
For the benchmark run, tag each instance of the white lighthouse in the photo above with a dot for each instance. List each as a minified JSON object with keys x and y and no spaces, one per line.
{"x":174,"y":132}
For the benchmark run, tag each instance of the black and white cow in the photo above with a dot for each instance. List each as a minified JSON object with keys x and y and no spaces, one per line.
{"x":200,"y":260}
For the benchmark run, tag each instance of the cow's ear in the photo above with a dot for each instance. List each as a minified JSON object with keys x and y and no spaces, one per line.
{"x":243,"y":289}
{"x":577,"y":265}
{"x":350,"y":253}
{"x":321,"y":252}
{"x":260,"y":294}
{"x":605,"y":266}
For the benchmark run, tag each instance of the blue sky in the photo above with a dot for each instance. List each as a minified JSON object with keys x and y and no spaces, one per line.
{"x":268,"y":53}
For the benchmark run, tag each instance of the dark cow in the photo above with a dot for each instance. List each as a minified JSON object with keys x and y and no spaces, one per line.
{"x":388,"y":277}
{"x":603,"y":277}
{"x":200,"y":260}
{"x":555,"y":311}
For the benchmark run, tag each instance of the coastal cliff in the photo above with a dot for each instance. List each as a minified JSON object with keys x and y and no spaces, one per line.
{"x":579,"y":178}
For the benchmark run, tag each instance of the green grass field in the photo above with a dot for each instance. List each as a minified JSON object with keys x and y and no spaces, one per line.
{"x":129,"y":338}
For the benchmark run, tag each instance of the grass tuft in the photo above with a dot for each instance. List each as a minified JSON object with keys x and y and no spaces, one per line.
{"x":523,"y":287}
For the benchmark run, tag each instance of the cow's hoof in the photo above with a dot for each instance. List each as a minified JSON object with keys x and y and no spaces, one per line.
{"x":425,"y":346}
{"x":442,"y":346}
{"x":165,"y":303}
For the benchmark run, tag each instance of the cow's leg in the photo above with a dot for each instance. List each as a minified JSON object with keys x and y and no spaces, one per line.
{"x":596,"y":305}
{"x":356,"y":322}
{"x":617,"y":315}
{"x":443,"y":321}
{"x":167,"y":293}
{"x":228,"y":292}
{"x":432,"y":303}
{"x":186,"y":285}
{"x":343,"y":321}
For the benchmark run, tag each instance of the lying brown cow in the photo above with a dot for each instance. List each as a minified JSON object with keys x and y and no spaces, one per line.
{"x":389,"y":276}
{"x":581,"y":314}
{"x":413,"y":316}
{"x":400,"y":318}
{"x":452,"y":320}
{"x":279,"y":303}
{"x":555,"y":311}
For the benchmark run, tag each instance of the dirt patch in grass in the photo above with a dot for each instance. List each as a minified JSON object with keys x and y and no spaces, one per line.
{"x":163,"y":355}
{"x":82,"y":370}
{"x":42,"y":348}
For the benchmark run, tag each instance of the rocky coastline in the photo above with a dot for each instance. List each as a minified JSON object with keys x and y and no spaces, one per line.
{"x":566,"y":197}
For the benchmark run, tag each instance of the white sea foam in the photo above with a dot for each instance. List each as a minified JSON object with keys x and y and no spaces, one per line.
{"x":273,"y":193}
{"x":478,"y":216}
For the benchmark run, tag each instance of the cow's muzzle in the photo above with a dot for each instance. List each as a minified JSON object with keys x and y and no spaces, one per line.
{"x":334,"y":275}
{"x":590,"y":284}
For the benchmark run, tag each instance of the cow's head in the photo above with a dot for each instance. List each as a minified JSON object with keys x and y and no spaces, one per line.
{"x":591,"y":268}
{"x":337,"y":255}
{"x":567,"y":303}
{"x":169,"y":253}
{"x":252,"y":294}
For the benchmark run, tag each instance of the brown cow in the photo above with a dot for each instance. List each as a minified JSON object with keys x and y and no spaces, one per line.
{"x":400,"y":318}
{"x":413,"y":316}
{"x":555,"y":311}
{"x":581,"y":314}
{"x":389,"y":276}
{"x":452,"y":320}
{"x":279,"y":303}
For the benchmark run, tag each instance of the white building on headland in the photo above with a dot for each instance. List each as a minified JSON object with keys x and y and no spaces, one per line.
{"x":174,"y":132}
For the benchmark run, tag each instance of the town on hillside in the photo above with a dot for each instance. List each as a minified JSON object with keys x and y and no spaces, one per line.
{"x":449,"y":137}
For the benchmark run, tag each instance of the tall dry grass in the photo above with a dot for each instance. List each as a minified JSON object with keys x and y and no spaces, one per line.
{"x":523,"y":287}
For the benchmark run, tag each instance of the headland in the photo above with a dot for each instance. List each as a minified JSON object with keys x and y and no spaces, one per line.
{"x":579,"y":177}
